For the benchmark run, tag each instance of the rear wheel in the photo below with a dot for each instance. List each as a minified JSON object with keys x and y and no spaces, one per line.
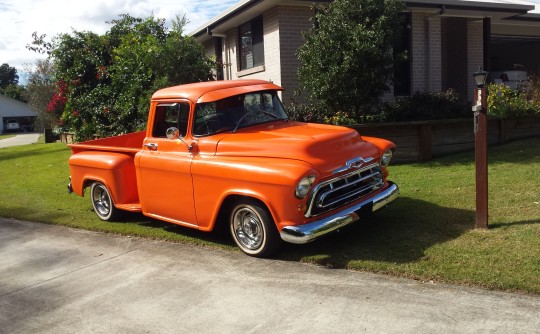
{"x":253,"y":229}
{"x":102,"y":202}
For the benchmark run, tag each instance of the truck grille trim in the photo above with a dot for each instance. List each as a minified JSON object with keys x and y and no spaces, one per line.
{"x":336,"y":192}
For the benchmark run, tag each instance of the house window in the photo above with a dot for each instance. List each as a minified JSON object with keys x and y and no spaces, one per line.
{"x":251,"y":44}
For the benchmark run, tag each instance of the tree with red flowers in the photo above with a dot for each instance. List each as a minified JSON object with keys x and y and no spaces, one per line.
{"x":104,"y":82}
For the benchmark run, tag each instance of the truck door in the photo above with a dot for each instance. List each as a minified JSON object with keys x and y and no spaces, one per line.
{"x":164,"y":166}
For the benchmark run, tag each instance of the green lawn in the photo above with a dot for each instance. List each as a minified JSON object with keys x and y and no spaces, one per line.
{"x":6,"y":136}
{"x":427,"y":234}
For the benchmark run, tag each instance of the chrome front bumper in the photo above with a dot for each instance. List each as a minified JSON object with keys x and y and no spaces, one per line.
{"x":301,"y":234}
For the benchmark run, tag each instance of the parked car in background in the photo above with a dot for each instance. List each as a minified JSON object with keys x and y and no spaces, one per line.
{"x":515,"y":79}
{"x":13,"y":125}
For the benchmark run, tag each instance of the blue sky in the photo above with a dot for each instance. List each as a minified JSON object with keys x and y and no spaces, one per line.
{"x":20,"y":18}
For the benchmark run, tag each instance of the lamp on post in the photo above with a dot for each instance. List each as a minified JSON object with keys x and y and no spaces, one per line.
{"x":480,"y":148}
{"x":480,"y":78}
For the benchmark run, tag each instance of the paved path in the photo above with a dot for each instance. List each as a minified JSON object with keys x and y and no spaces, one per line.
{"x":20,"y":139}
{"x":60,"y":280}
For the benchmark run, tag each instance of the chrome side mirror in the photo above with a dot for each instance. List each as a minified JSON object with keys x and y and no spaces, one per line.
{"x":173,"y":133}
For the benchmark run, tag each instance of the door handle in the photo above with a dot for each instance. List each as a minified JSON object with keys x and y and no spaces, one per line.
{"x":151,"y":146}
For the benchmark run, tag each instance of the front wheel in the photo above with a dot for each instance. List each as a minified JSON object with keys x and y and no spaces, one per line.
{"x":253,"y":229}
{"x":102,"y":202}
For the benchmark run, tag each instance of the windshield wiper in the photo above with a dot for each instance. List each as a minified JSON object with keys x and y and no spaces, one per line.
{"x":269,"y":114}
{"x":250,"y":112}
{"x":240,"y":121}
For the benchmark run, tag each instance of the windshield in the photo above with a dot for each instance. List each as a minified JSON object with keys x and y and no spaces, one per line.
{"x":235,"y":112}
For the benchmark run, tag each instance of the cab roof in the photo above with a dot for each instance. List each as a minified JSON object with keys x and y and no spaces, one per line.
{"x":210,"y":91}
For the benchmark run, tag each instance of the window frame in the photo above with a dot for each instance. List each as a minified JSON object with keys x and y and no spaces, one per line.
{"x":255,"y":28}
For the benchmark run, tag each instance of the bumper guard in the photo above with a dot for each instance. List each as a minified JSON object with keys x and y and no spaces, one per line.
{"x":301,"y":234}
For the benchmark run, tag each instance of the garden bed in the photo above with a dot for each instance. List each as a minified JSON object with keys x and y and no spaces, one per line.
{"x":424,"y":140}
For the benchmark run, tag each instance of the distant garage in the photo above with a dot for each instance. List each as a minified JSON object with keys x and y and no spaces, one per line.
{"x":515,"y":53}
{"x":15,"y":116}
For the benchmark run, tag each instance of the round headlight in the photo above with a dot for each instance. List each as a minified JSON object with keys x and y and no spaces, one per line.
{"x":303,"y":187}
{"x":387,"y":156}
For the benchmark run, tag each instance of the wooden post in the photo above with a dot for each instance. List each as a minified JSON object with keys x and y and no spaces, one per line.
{"x":480,"y":154}
{"x":425,"y":144}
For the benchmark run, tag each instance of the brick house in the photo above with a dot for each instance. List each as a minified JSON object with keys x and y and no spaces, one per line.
{"x":447,"y":40}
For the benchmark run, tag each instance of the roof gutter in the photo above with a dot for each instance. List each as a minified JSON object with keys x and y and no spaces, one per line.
{"x":442,"y":5}
{"x":471,"y":5}
{"x":232,"y":12}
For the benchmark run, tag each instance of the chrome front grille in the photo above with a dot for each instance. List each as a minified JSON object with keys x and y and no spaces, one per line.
{"x":331,"y":194}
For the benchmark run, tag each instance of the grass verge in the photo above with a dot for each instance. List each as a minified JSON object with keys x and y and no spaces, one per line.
{"x":6,"y":136}
{"x":427,"y":234}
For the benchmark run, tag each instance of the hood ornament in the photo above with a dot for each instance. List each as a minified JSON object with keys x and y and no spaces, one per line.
{"x":353,"y":164}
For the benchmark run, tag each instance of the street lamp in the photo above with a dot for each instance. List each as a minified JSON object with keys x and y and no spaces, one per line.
{"x":480,"y":148}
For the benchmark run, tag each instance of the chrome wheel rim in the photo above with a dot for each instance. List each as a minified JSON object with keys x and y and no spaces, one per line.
{"x":102,"y":201}
{"x":248,"y":228}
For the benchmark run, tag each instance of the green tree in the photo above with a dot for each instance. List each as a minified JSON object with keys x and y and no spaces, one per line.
{"x":9,"y":86}
{"x":347,"y":59}
{"x":104,"y":82}
{"x":39,"y":89}
{"x":8,"y":76}
{"x":15,"y":91}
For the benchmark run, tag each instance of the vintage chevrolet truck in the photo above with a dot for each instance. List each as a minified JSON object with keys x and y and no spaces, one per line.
{"x":225,"y":152}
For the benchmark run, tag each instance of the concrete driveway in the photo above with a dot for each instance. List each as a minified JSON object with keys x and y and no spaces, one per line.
{"x":61,"y":280}
{"x":20,"y":139}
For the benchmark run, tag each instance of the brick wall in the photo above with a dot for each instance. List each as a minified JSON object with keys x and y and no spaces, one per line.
{"x":293,"y":20}
{"x":426,"y":53}
{"x":475,"y":52}
{"x":418,"y":53}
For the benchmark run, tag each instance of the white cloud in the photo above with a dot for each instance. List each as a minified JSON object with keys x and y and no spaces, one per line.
{"x":20,"y":18}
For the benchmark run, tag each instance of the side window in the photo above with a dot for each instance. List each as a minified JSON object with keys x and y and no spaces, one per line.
{"x":170,"y":115}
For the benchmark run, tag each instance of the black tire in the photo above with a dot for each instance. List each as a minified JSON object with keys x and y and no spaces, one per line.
{"x":102,"y":202}
{"x":253,"y":229}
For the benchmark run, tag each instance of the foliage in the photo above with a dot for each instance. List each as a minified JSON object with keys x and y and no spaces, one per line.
{"x":532,"y":89}
{"x":340,"y":118}
{"x":59,"y":98}
{"x":423,"y":106}
{"x":314,"y":112}
{"x":347,"y":59}
{"x":8,"y":76}
{"x":9,"y":86}
{"x":104,"y":82}
{"x":15,"y":91}
{"x":504,"y":102}
{"x":39,"y":89}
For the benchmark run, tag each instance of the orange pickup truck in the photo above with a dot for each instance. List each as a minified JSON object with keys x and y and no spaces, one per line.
{"x":225,"y":152}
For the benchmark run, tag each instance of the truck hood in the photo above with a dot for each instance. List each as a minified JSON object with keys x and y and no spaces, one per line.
{"x":326,"y":147}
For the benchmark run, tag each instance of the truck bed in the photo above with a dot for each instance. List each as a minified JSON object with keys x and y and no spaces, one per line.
{"x":128,"y":143}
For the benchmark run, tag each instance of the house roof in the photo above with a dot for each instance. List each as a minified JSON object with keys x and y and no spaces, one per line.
{"x":245,"y":10}
{"x":13,"y":108}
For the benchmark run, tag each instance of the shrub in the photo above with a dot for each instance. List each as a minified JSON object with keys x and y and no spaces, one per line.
{"x":423,"y":106}
{"x":532,"y":90}
{"x":504,"y":102}
{"x":311,"y":112}
{"x":340,"y":118}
